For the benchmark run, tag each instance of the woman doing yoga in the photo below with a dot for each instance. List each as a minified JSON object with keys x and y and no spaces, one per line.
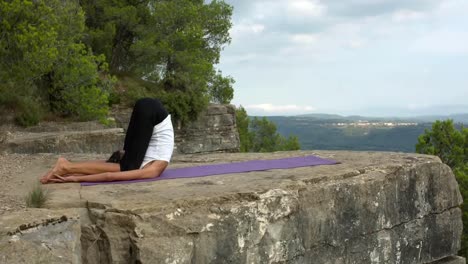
{"x":148,"y":147}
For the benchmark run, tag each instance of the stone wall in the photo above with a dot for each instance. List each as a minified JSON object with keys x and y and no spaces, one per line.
{"x":214,"y":131}
{"x":371,"y":208}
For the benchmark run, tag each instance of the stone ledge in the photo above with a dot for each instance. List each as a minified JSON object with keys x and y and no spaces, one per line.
{"x":95,"y":141}
{"x":41,"y":236}
{"x":451,"y":260}
{"x":214,"y":131}
{"x":372,"y":208}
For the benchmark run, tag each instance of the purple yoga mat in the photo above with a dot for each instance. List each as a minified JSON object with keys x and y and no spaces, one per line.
{"x":227,"y":168}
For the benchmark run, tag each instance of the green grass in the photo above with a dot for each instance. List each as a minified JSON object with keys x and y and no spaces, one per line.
{"x":37,"y":197}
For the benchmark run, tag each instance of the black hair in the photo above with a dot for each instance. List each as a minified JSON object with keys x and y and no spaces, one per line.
{"x":116,"y":157}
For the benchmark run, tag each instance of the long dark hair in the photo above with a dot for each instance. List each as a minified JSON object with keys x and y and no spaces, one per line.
{"x":116,"y":156}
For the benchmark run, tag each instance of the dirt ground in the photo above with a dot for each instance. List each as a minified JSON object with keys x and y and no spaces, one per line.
{"x":19,"y":173}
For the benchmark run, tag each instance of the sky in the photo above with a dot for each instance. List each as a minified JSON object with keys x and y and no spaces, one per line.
{"x":368,"y":57}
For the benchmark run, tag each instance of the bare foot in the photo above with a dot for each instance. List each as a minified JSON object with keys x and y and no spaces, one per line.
{"x":58,"y":169}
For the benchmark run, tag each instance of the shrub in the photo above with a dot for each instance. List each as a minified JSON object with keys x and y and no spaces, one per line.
{"x":30,"y":112}
{"x":87,"y":103}
{"x":220,"y":88}
{"x":37,"y":197}
{"x":80,"y":88}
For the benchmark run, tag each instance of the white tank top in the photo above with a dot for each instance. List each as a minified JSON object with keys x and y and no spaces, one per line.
{"x":161,"y":144}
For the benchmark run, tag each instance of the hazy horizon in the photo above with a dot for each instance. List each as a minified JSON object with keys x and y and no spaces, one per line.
{"x":436,"y":110}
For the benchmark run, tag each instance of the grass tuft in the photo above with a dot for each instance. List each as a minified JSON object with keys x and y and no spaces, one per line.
{"x":37,"y":197}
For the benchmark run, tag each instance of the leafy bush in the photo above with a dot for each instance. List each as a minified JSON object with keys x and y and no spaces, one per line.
{"x":78,"y":89}
{"x":220,"y":88}
{"x":87,"y":103}
{"x":43,"y":58}
{"x":37,"y":197}
{"x":451,"y":146}
{"x":444,"y":141}
{"x":28,"y":118}
{"x":259,"y":135}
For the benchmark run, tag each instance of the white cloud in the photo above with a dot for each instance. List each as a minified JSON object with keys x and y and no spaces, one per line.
{"x":407,"y":15}
{"x":346,"y":48}
{"x":304,"y":39}
{"x":270,"y":108}
{"x":239,"y":58}
{"x":442,"y":41}
{"x":417,"y":106}
{"x":305,"y":8}
{"x":246,"y":29}
{"x":356,"y":43}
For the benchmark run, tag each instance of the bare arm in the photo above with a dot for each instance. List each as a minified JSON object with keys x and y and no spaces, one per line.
{"x":151,"y":171}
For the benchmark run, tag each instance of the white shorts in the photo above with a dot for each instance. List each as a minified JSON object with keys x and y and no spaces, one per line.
{"x":161,"y":144}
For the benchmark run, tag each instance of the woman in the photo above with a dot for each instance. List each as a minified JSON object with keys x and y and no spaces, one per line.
{"x":148,"y":148}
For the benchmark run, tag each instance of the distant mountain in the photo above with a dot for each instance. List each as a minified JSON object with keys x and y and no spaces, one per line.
{"x":322,"y":116}
{"x":416,"y":111}
{"x":457,"y":118}
{"x":333,"y":132}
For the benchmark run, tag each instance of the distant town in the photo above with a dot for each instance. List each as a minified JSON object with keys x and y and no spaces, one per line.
{"x":363,"y":123}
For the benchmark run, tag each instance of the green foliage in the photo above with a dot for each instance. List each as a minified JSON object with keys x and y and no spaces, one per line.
{"x":37,"y":196}
{"x":29,"y":113}
{"x":264,"y":136}
{"x":29,"y":45}
{"x":242,"y":121}
{"x":171,"y":44}
{"x":450,"y":145}
{"x":28,"y":49}
{"x":59,"y":52}
{"x":444,"y":141}
{"x":220,"y":89}
{"x":259,"y":135}
{"x":290,"y":143}
{"x":77,"y":88}
{"x":41,"y":57}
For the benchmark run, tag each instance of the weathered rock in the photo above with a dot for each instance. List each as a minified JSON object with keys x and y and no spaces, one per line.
{"x":5,"y":136}
{"x":95,"y":141}
{"x":451,"y":260}
{"x":214,"y":131}
{"x":371,"y":208}
{"x":40,"y":236}
{"x":68,"y":126}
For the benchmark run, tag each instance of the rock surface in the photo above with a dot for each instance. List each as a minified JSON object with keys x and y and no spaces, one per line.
{"x":370,"y":208}
{"x":214,"y":131}
{"x":94,"y":141}
{"x":41,"y":236}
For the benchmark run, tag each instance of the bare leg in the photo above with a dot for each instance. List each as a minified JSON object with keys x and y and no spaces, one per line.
{"x":64,"y":167}
{"x":153,"y":169}
{"x":89,"y":167}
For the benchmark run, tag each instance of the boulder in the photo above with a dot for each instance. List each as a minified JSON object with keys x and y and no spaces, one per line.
{"x":214,"y":131}
{"x":41,"y":236}
{"x":371,"y":208}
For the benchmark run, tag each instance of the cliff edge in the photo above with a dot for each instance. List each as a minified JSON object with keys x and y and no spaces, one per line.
{"x":371,"y":208}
